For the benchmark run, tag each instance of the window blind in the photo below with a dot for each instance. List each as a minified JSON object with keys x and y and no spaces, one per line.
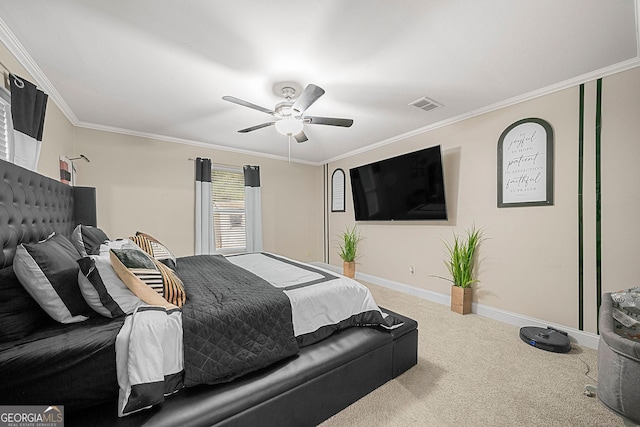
{"x":227,"y":194}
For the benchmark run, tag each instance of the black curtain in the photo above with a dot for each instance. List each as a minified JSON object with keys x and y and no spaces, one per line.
{"x":28,"y":107}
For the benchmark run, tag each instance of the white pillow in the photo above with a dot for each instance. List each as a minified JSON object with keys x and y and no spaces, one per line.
{"x":102,"y":288}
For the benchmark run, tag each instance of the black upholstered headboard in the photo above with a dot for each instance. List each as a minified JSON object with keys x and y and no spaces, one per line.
{"x":32,"y":206}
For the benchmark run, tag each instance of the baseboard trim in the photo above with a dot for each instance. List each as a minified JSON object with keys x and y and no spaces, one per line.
{"x":583,"y":338}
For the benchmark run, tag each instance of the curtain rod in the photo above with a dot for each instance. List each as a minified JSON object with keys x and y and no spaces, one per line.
{"x":18,"y":81}
{"x":192,"y":159}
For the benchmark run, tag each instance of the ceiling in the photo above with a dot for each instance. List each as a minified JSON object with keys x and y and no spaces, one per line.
{"x":160,"y":68}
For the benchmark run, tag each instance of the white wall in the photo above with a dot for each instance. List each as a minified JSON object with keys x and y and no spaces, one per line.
{"x":621,"y":180}
{"x":148,"y":185}
{"x":529,"y":262}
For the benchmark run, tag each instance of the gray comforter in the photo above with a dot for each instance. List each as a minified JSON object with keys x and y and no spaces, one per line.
{"x":233,"y":321}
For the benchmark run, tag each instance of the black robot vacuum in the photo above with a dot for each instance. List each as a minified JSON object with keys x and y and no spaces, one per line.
{"x":549,"y":339}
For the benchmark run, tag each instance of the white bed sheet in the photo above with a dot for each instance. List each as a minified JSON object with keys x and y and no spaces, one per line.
{"x":318,"y":296}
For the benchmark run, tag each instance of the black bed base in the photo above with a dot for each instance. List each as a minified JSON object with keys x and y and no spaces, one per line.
{"x":302,"y":391}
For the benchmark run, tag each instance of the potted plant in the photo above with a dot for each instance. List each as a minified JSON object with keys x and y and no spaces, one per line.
{"x":348,"y":245}
{"x":460,"y":264}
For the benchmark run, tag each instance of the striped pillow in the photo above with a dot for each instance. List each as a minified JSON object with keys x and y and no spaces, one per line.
{"x":173,"y":288}
{"x":152,"y":281}
{"x":153,"y":247}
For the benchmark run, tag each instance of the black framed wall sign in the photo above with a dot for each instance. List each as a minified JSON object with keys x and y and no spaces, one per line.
{"x":337,"y":191}
{"x":525,"y":164}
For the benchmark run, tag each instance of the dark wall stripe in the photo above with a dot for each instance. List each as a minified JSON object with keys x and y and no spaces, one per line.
{"x":581,"y":213}
{"x":598,"y":196}
{"x":325,"y":207}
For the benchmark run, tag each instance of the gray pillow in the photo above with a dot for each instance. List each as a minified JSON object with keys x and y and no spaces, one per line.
{"x":87,"y":239}
{"x":49,"y":272}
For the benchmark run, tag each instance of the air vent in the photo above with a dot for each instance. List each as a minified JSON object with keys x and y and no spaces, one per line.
{"x":426,"y":104}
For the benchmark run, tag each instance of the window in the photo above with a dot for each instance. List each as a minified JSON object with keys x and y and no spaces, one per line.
{"x":227,"y":193}
{"x":6,"y":126}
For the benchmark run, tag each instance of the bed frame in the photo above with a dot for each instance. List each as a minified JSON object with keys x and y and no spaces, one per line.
{"x":304,"y":390}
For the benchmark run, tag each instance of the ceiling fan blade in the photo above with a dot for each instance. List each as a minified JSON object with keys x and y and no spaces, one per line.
{"x":256,"y":127}
{"x":247,"y":104}
{"x":301,"y":136}
{"x":310,"y":95}
{"x":331,"y":121}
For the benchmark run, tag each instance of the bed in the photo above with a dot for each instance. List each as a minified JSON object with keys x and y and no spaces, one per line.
{"x":300,"y":377}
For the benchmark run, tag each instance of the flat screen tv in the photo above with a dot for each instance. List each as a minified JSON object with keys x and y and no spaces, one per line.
{"x":403,"y":188}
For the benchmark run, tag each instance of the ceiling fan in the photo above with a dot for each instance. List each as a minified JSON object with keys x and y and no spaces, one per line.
{"x":289,"y":114}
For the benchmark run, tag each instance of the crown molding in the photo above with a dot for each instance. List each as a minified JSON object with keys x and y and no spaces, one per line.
{"x":212,"y":146}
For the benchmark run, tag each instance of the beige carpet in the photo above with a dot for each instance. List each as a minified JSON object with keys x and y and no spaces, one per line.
{"x":474,"y":371}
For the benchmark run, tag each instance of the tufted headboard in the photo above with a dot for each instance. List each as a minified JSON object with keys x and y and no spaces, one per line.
{"x":32,"y":206}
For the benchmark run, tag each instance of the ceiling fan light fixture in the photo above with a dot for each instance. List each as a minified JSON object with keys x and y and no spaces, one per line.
{"x":289,"y":114}
{"x":289,"y":126}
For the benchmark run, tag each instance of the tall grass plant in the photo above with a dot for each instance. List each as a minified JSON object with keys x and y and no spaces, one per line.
{"x":461,"y":260}
{"x":348,"y":245}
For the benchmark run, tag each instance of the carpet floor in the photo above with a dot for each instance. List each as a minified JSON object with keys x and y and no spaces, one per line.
{"x":475,"y":371}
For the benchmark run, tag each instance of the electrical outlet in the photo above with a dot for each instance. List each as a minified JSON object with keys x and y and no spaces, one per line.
{"x":412,"y":270}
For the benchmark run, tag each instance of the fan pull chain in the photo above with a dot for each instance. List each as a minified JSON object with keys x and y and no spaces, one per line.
{"x":289,"y":148}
